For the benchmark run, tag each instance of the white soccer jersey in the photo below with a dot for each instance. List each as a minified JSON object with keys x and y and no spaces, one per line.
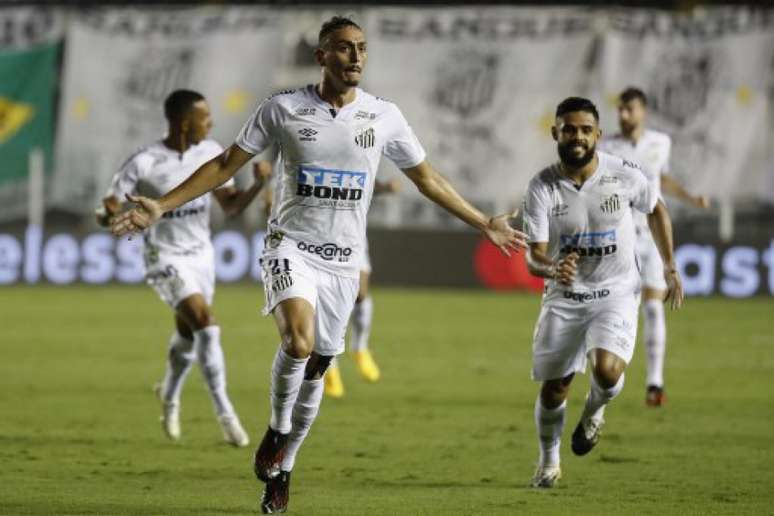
{"x":595,"y":221}
{"x":651,"y":152}
{"x":155,"y":170}
{"x":329,"y":162}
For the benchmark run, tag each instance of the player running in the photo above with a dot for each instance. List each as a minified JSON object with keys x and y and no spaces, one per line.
{"x":651,"y":149}
{"x":578,"y":215}
{"x":360,"y":321}
{"x":178,"y":254}
{"x":331,"y":137}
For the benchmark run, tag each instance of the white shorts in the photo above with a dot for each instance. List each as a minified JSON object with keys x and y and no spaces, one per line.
{"x":651,"y":266}
{"x":287,"y":274}
{"x":565,"y":334}
{"x":175,"y":278}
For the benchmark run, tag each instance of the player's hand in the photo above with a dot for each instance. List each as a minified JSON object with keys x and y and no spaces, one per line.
{"x":262,"y":172}
{"x":137,"y":219}
{"x":566,"y":269}
{"x":674,"y":287}
{"x":502,"y":235}
{"x":701,"y":201}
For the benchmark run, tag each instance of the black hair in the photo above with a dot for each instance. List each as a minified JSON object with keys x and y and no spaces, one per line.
{"x":632,"y":93}
{"x":572,"y":104}
{"x":335,"y":23}
{"x":179,"y":103}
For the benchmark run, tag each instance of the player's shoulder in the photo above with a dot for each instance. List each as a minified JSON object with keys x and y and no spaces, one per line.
{"x":210,"y":146}
{"x":287,"y":98}
{"x":620,"y":167}
{"x":376,"y":104}
{"x":611,"y":141}
{"x":546,"y":179}
{"x":144,"y":157}
{"x":659,"y":137}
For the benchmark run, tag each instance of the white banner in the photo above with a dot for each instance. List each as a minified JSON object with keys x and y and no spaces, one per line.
{"x":709,"y":78}
{"x":119,"y":66}
{"x":480,"y":89}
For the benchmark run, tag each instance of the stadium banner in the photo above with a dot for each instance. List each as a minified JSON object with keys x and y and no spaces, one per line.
{"x":29,"y":51}
{"x":709,"y":78}
{"x":121,"y":63}
{"x":479,"y":86}
{"x":399,"y":258}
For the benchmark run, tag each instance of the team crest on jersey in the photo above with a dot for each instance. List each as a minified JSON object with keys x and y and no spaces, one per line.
{"x":611,"y":204}
{"x":366,"y":138}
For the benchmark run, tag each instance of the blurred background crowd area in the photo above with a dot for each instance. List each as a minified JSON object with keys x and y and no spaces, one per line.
{"x":82,"y":88}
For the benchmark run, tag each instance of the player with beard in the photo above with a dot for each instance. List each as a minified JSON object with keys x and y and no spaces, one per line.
{"x":331,"y":136}
{"x":651,"y":149}
{"x":578,"y":217}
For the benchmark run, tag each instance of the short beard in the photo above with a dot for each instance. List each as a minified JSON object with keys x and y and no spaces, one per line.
{"x":569,"y":159}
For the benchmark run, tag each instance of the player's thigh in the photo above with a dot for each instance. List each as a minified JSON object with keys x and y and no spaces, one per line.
{"x":613,"y":327}
{"x":295,"y":319}
{"x":558,"y":344}
{"x":336,"y":299}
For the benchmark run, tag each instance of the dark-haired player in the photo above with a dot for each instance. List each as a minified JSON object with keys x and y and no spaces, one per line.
{"x":331,"y":136}
{"x":651,"y":150}
{"x":578,"y":215}
{"x":178,"y":254}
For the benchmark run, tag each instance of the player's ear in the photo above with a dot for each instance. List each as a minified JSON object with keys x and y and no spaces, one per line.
{"x":319,"y":54}
{"x":555,"y":133}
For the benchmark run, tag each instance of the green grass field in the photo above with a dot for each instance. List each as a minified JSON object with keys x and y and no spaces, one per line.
{"x":448,"y":430}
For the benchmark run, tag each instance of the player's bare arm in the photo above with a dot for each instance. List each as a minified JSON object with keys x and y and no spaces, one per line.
{"x":207,"y":177}
{"x":436,"y":188}
{"x":661,"y":228}
{"x":386,"y":187}
{"x":234,"y":201}
{"x":539,"y":264}
{"x":672,"y":186}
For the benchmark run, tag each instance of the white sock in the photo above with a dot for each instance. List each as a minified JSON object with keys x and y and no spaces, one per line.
{"x":550,"y":423}
{"x":654,"y":331}
{"x":598,"y":398}
{"x":180,"y":357}
{"x":213,"y":366}
{"x":304,"y":413}
{"x":287,"y":374}
{"x":362,"y":315}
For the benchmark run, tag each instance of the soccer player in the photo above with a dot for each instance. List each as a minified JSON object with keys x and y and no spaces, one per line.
{"x":578,"y":215}
{"x":651,"y":150}
{"x":360,"y":321}
{"x":178,"y":254}
{"x":331,"y":136}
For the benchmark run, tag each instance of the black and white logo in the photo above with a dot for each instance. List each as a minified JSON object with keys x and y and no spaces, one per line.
{"x":306,"y":111}
{"x":364,"y":115}
{"x":559,"y":210}
{"x":611,"y":204}
{"x":681,"y":84}
{"x":584,"y":297}
{"x":366,"y":138}
{"x":328,"y":252}
{"x":466,"y":81}
{"x":307,"y":134}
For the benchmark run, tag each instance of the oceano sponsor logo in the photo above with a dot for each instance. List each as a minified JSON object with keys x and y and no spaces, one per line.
{"x":328,"y":251}
{"x":583,"y":297}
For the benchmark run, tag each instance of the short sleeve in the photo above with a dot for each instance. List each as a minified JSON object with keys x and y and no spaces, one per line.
{"x":261,"y":128}
{"x":535,"y":213}
{"x":124,"y":182}
{"x":644,"y":192}
{"x":402,"y":146}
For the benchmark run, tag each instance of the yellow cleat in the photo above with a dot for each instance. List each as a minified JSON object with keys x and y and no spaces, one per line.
{"x":366,"y":365}
{"x":334,"y":387}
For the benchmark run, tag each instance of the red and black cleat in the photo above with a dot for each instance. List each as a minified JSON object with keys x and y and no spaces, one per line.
{"x":654,"y":396}
{"x":276,"y":494}
{"x":269,"y":455}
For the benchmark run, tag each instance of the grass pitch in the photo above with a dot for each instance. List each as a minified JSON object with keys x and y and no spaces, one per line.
{"x":448,"y":430}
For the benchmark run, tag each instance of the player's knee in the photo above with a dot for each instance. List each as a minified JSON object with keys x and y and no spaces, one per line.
{"x":607,"y":376}
{"x":298,"y":342}
{"x":315,"y":369}
{"x":553,"y":393}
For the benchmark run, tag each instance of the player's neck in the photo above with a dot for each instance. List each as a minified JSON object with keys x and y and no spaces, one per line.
{"x":635,"y":135}
{"x":582,"y":174}
{"x":176,"y":141}
{"x":337,"y":97}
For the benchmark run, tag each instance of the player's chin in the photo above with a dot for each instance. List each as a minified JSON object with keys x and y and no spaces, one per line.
{"x":351,"y":79}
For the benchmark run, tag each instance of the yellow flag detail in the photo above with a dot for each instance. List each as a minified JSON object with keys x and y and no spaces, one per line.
{"x":13,"y":116}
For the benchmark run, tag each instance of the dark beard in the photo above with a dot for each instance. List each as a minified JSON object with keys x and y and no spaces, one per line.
{"x":569,"y":159}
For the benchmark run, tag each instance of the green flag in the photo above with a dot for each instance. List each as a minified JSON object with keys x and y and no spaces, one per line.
{"x":27,"y":86}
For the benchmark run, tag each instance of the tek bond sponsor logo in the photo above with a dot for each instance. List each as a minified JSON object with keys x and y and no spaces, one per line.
{"x":328,"y":252}
{"x":601,"y":243}
{"x":585,"y":297}
{"x":335,"y":189}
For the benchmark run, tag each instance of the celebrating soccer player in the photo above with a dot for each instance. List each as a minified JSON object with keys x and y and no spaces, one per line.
{"x":578,"y":215}
{"x":651,"y":150}
{"x":179,"y":259}
{"x":331,"y":136}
